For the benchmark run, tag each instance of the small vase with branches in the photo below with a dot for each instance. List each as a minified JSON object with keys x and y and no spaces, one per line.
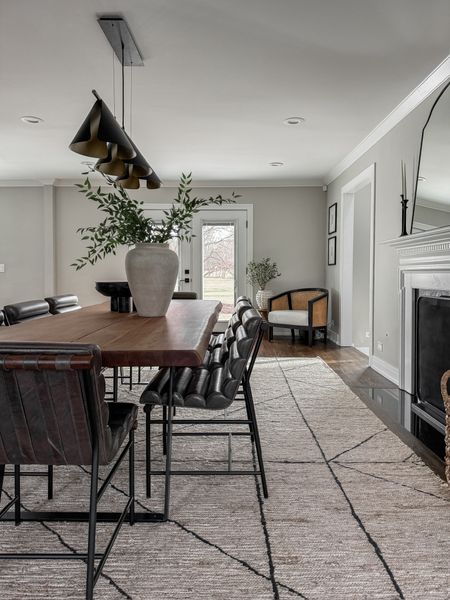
{"x":259,"y":273}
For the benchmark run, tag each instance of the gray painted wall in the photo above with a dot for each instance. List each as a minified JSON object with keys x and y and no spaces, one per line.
{"x":288,"y":227}
{"x":431,"y":216}
{"x":361,"y":267}
{"x":401,"y":143}
{"x":21,"y":244}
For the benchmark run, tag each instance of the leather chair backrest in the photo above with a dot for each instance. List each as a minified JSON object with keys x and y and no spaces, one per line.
{"x":63,"y":303}
{"x":23,"y":311}
{"x":241,"y":307}
{"x":251,"y":321}
{"x":225,"y":380}
{"x":246,"y":298}
{"x":184,"y":296}
{"x":52,"y":404}
{"x":2,"y":317}
{"x":215,"y":383}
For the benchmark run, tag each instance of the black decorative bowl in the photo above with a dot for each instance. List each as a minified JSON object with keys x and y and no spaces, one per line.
{"x":118,"y":291}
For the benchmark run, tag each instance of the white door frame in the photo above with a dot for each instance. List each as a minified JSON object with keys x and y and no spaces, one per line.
{"x":348,"y":191}
{"x":248,"y":208}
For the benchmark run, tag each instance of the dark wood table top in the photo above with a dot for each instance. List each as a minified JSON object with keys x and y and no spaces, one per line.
{"x":178,"y":339}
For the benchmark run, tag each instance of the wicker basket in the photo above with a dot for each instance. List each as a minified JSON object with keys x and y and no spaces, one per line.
{"x":446,"y":399}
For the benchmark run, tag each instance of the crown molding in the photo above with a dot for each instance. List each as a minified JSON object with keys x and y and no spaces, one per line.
{"x":21,"y":183}
{"x":69,"y":182}
{"x":433,"y":205}
{"x":436,"y":78}
{"x":207,"y":184}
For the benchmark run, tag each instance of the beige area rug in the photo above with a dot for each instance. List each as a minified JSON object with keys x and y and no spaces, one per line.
{"x":352,"y":514}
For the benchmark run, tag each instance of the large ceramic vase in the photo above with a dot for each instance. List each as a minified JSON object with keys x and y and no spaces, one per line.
{"x":262,"y":299}
{"x":152,"y":271}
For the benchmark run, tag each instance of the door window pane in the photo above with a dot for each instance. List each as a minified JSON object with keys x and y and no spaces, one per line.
{"x":218,"y":265}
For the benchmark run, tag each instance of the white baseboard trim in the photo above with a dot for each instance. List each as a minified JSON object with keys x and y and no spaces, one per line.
{"x":334,"y":337}
{"x":385,"y":369}
{"x":363,"y":349}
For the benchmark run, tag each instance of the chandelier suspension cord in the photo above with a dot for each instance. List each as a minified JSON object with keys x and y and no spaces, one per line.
{"x":131,"y":99}
{"x":114,"y":82}
{"x":123,"y":85}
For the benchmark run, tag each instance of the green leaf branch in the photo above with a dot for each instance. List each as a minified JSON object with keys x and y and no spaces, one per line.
{"x":125,"y":223}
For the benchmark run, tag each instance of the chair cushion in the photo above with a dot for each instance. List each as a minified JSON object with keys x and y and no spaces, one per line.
{"x":288,"y":317}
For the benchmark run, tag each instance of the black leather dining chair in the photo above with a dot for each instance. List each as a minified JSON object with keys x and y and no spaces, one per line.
{"x":13,"y":315}
{"x":25,"y":311}
{"x":54,"y":412}
{"x":63,"y":303}
{"x":227,"y":367}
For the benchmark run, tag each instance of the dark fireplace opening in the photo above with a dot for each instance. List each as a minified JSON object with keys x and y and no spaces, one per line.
{"x":432,"y":352}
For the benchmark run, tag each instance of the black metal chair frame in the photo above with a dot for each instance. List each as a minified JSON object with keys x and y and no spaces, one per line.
{"x":168,"y":422}
{"x":48,"y":473}
{"x":118,"y":375}
{"x":92,"y":517}
{"x":308,"y":328}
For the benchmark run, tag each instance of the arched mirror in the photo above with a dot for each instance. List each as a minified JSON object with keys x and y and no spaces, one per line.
{"x":432,"y":199}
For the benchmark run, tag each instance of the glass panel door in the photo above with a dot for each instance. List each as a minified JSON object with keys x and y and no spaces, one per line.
{"x":218,"y":264}
{"x":219,"y":256}
{"x":214,"y":263}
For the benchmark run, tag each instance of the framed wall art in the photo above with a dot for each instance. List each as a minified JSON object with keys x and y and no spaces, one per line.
{"x":332,"y":218}
{"x":332,"y":250}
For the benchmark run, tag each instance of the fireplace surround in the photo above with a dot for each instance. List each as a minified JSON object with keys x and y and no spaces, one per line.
{"x":432,"y":350}
{"x":423,"y":270}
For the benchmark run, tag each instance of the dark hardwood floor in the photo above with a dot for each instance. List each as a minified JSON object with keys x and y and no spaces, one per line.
{"x":352,"y":367}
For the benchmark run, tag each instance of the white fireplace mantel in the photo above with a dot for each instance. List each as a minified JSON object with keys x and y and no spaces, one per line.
{"x":426,"y":243}
{"x":423,"y":263}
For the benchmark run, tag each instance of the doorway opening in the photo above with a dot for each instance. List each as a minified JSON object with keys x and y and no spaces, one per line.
{"x":357,"y":234}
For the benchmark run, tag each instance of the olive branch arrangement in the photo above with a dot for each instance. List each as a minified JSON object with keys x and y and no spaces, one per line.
{"x":259,"y":273}
{"x":125,"y":223}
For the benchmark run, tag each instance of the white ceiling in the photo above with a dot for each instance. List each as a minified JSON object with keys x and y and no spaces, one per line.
{"x":219,"y":78}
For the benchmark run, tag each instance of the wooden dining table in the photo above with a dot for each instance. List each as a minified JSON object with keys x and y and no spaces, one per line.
{"x":178,"y":339}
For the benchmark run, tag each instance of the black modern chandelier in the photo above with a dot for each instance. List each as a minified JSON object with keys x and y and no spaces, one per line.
{"x":100,"y":136}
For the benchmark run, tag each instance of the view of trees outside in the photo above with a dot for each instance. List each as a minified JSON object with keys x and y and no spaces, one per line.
{"x":218,"y":265}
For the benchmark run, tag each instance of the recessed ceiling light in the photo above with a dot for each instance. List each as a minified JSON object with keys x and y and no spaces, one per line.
{"x":294,"y":121}
{"x":276,"y":164}
{"x":31,"y":120}
{"x":421,"y":178}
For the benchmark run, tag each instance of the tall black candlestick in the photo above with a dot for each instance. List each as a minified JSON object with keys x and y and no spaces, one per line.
{"x":404,"y":204}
